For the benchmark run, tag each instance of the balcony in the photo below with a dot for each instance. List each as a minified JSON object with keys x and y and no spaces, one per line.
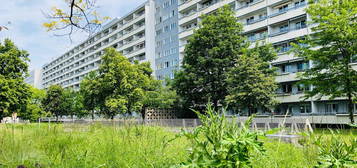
{"x":186,"y":32}
{"x":289,"y":13}
{"x":289,"y":97}
{"x":286,"y":77}
{"x":255,"y":5}
{"x":256,"y":24}
{"x":187,"y":4}
{"x":287,"y":34}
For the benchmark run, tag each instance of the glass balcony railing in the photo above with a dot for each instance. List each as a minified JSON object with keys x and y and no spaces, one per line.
{"x":288,"y":9}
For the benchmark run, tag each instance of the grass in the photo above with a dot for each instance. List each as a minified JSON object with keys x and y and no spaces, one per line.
{"x":76,"y":146}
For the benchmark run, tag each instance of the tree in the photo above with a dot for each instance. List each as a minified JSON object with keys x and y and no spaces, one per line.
{"x":89,"y":92}
{"x":81,"y":15}
{"x":158,"y":96}
{"x":331,"y":47}
{"x":13,"y":68}
{"x":72,"y":103}
{"x":121,"y":85}
{"x":209,"y":55}
{"x":33,"y":110}
{"x":53,"y":101}
{"x":251,"y":83}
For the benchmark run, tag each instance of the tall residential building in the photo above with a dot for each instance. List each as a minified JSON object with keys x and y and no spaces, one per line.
{"x":279,"y":22}
{"x":133,"y":35}
{"x":35,"y":78}
{"x":166,"y":40}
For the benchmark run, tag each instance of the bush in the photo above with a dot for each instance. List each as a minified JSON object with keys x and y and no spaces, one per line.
{"x":220,"y":143}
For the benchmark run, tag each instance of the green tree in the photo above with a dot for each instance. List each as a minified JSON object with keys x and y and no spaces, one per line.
{"x":209,"y":55}
{"x":331,"y":47}
{"x":251,"y":83}
{"x":34,"y":110}
{"x":14,"y":93}
{"x":89,"y":93}
{"x":53,"y":101}
{"x":121,"y":85}
{"x":158,"y":96}
{"x":72,"y":103}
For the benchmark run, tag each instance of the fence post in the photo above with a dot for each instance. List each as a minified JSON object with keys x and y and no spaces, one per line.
{"x":184,"y":123}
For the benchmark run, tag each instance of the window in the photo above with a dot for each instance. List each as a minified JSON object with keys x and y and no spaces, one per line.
{"x":331,"y":108}
{"x":166,"y":28}
{"x":283,"y":8}
{"x":172,"y":13}
{"x":301,"y":66}
{"x":250,"y":20}
{"x":299,"y":3}
{"x":167,"y":64}
{"x":287,"y":88}
{"x":283,"y":68}
{"x":251,"y":37}
{"x":284,"y":28}
{"x":300,"y":25}
{"x":301,"y":88}
{"x":249,"y":2}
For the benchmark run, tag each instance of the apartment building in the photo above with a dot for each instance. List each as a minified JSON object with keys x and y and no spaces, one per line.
{"x":35,"y":78}
{"x":279,"y":22}
{"x":166,"y":39}
{"x":132,"y":35}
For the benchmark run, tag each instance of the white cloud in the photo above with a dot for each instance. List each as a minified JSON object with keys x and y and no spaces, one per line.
{"x":26,"y":17}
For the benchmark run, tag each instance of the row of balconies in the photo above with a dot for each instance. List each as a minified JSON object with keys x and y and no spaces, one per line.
{"x":92,"y":49}
{"x":101,"y":35}
{"x":127,"y":52}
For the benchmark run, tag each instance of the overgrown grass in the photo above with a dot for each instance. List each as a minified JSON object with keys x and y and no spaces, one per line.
{"x":56,"y":146}
{"x":92,"y":146}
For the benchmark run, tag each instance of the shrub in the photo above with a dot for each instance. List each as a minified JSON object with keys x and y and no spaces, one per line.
{"x":336,"y":152}
{"x":220,"y":143}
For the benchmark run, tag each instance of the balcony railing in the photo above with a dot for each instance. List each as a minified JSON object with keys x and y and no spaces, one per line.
{"x":249,"y":4}
{"x":288,"y":9}
{"x":256,"y":20}
{"x":287,"y":30}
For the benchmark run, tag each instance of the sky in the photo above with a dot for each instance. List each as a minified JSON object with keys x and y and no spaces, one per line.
{"x":24,"y":19}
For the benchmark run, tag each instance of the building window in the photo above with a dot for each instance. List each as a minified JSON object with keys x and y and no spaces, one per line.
{"x":299,"y":3}
{"x":167,"y":64}
{"x":306,"y":108}
{"x":284,"y":28}
{"x":287,"y":88}
{"x":301,"y":66}
{"x":302,"y":88}
{"x":331,"y":108}
{"x":250,"y":20}
{"x":283,"y":8}
{"x":300,"y":25}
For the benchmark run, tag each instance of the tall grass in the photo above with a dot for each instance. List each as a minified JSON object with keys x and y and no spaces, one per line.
{"x":92,"y":146}
{"x":78,"y":146}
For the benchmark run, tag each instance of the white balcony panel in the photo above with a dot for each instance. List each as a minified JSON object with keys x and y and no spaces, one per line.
{"x":286,"y":57}
{"x":187,"y":4}
{"x":189,"y":18}
{"x":252,"y":7}
{"x":182,"y":49}
{"x":287,"y":15}
{"x":289,"y":35}
{"x":290,"y":98}
{"x":184,"y":34}
{"x":215,"y":6}
{"x":134,"y":53}
{"x":272,"y":2}
{"x":254,"y":26}
{"x":287,"y":77}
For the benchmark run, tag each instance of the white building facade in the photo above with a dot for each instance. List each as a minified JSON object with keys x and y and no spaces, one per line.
{"x":35,"y":78}
{"x":148,"y":33}
{"x":132,"y":35}
{"x":278,"y":22}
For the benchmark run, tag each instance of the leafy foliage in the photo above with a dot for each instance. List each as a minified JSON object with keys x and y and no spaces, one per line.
{"x":88,"y":91}
{"x":13,"y":68}
{"x":251,"y":82}
{"x":335,"y":152}
{"x":54,"y":101}
{"x":209,"y":55}
{"x":219,"y":143}
{"x":331,"y":48}
{"x":34,"y":110}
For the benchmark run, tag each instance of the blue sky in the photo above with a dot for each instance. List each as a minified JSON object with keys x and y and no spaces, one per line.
{"x":26,"y":30}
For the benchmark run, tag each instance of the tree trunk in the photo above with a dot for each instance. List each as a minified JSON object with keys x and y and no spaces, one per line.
{"x":92,"y":114}
{"x":350,"y":108}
